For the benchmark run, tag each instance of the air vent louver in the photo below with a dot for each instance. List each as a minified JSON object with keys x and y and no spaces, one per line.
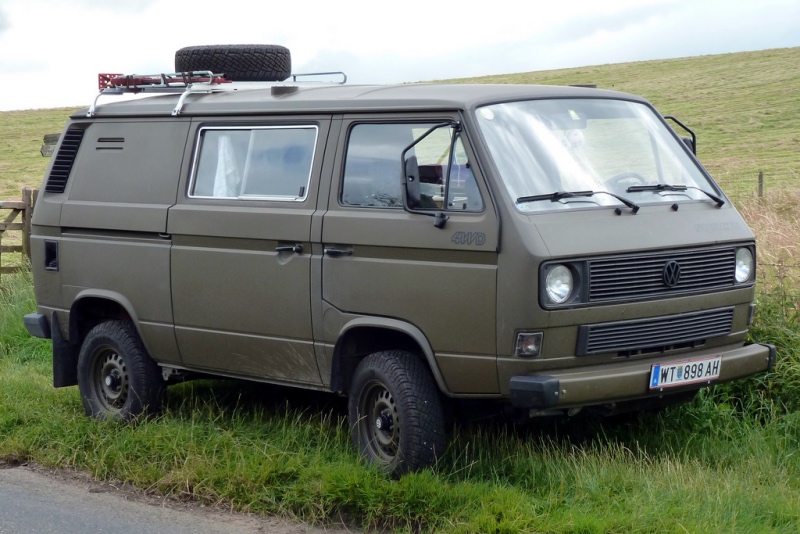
{"x":62,"y":165}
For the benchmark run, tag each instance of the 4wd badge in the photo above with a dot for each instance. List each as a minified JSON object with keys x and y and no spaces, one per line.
{"x":469,"y":238}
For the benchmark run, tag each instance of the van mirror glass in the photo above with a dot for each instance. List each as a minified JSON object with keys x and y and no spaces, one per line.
{"x":411,"y":177}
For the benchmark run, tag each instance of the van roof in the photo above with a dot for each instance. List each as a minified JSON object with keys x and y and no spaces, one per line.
{"x":249,"y":99}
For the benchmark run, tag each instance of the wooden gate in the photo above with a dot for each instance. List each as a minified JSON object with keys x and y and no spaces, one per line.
{"x":18,"y":220}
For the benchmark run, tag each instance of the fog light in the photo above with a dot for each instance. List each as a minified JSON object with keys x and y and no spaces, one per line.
{"x":528,"y":344}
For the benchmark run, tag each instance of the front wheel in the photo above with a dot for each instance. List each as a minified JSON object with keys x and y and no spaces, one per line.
{"x":116,"y":377}
{"x":395,"y":413}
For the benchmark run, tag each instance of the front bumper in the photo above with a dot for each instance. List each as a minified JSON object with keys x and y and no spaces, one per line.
{"x":628,"y":380}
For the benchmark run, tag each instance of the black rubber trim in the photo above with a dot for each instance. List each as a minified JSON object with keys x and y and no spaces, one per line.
{"x":539,"y":391}
{"x":773,"y":353}
{"x":65,"y":358}
{"x":36,"y":324}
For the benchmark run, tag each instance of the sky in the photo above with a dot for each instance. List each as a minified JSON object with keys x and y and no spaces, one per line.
{"x":52,"y":50}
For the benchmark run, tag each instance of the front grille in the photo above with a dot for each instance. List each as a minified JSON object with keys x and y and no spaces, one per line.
{"x":641,"y":276}
{"x":656,"y":334}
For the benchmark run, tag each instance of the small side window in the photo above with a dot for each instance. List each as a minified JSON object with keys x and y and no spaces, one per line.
{"x":272,"y":163}
{"x":463,"y":193}
{"x":373,"y":171}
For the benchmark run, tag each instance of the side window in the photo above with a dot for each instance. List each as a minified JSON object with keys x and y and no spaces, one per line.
{"x":254,"y":163}
{"x":373,"y":168}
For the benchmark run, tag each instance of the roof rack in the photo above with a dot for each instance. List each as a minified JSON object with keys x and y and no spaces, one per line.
{"x":176,"y":82}
{"x":334,"y":73}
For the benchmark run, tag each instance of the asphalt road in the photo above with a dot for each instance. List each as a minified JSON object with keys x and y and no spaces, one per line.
{"x":37,"y":502}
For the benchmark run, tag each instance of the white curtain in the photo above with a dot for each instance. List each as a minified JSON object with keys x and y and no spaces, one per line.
{"x":227,"y":178}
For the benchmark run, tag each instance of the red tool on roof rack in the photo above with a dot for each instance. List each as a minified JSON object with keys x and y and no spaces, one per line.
{"x":175,"y":82}
{"x":138,"y":82}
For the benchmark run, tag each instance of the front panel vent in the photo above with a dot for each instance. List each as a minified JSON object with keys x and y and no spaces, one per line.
{"x":655,"y":334}
{"x":62,"y":165}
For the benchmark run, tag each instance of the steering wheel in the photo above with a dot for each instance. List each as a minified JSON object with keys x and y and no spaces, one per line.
{"x":634,"y":177}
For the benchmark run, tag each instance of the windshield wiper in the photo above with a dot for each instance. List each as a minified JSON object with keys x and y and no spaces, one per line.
{"x":561,"y":195}
{"x":669,"y":187}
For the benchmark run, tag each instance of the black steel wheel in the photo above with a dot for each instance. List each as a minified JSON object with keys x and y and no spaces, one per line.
{"x":239,"y":63}
{"x":395,"y":412}
{"x":116,"y":377}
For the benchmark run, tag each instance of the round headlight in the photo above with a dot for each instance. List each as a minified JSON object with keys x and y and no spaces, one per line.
{"x":558,"y":284}
{"x":744,"y":265}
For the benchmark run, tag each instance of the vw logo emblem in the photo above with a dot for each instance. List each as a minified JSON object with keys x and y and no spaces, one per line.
{"x":671,"y":274}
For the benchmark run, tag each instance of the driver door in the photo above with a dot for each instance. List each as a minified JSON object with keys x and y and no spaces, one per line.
{"x":382,"y":261}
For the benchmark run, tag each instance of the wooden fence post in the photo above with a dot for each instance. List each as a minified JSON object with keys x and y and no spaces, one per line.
{"x":25,"y":209}
{"x":761,"y":185}
{"x":27,"y":213}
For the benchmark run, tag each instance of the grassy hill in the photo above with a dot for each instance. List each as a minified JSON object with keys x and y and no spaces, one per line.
{"x":727,"y":462}
{"x":744,"y":107}
{"x":21,"y":132}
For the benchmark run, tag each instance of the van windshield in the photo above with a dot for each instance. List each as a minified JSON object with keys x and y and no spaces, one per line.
{"x":545,"y":147}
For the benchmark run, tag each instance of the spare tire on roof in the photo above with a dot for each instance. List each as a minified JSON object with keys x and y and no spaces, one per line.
{"x":239,"y":63}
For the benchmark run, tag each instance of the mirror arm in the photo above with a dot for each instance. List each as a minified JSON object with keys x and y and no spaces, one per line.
{"x":693,"y":146}
{"x":440,"y":218}
{"x":453,"y":138}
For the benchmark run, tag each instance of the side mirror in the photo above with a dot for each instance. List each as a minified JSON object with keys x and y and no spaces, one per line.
{"x":690,"y":143}
{"x":410,"y":188}
{"x":411,"y":182}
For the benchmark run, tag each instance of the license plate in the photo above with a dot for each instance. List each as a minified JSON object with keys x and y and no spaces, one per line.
{"x":665,"y":375}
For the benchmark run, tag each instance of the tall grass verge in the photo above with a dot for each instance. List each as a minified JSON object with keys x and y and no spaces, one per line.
{"x":727,"y":462}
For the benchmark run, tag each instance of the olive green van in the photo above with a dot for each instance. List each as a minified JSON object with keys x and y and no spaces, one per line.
{"x":408,"y":246}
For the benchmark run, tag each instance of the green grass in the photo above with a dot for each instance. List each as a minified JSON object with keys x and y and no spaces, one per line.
{"x":743,"y":107}
{"x":21,"y":135}
{"x":728,"y":462}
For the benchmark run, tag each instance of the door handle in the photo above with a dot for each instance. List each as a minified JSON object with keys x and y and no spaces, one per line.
{"x":336,"y":252}
{"x":297,"y":249}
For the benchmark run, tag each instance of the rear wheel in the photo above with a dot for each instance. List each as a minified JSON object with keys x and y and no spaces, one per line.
{"x":239,"y":63}
{"x":116,"y":377}
{"x":395,"y":413}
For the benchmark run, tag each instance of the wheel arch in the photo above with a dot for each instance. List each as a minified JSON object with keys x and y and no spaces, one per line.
{"x":92,"y":307}
{"x":366,"y":335}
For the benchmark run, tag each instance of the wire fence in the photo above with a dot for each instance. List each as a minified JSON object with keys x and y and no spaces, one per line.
{"x":742,"y":187}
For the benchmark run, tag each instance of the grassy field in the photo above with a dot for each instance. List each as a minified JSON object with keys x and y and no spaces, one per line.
{"x":21,"y":133}
{"x":743,"y":107}
{"x":727,"y":462}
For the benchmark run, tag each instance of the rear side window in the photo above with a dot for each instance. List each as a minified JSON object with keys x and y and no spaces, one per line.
{"x":263,"y":163}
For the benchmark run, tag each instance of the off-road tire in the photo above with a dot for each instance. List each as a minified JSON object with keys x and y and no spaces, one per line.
{"x":239,"y":63}
{"x":395,"y":413}
{"x":116,"y":377}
